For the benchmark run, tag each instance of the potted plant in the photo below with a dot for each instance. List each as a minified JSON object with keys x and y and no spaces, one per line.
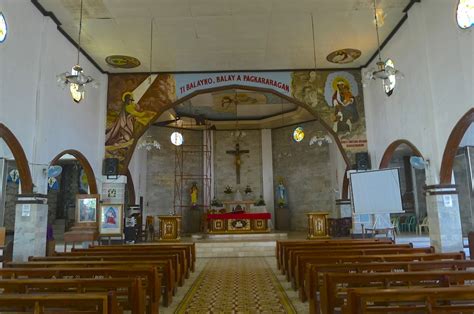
{"x":259,"y":205}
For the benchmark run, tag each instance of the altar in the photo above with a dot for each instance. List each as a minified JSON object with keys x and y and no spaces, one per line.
{"x":238,"y":223}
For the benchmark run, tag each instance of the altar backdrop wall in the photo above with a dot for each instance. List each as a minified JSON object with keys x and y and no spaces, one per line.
{"x":41,"y":114}
{"x":250,"y":168}
{"x":437,"y":59}
{"x":160,"y":165}
{"x":307,"y":173}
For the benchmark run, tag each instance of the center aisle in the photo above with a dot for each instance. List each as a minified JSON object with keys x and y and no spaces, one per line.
{"x":236,"y":285}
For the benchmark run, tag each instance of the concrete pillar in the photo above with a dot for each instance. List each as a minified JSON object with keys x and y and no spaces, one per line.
{"x":343,"y":208}
{"x":444,"y":218}
{"x":31,"y":219}
{"x":267,"y":172}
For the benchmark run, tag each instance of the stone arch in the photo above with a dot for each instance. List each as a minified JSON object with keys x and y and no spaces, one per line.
{"x":84,"y":163}
{"x":452,"y":145}
{"x":130,"y":188}
{"x":248,"y":88}
{"x":388,"y":154}
{"x":20,"y":158}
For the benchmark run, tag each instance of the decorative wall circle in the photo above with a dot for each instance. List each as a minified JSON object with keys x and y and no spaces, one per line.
{"x":343,"y":56}
{"x":3,"y":28}
{"x":465,"y":13}
{"x":124,"y":62}
{"x":298,"y":134}
{"x":176,"y":138}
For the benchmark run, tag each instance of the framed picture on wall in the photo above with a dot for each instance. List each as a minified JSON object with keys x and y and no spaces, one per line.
{"x":86,"y":208}
{"x":111,"y":218}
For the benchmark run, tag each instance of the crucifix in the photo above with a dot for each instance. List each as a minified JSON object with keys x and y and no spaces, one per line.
{"x":237,"y":152}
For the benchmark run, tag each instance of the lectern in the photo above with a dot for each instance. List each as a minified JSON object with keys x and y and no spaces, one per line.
{"x":170,"y":228}
{"x":318,"y":225}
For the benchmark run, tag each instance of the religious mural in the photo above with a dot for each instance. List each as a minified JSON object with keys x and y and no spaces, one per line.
{"x":136,"y":100}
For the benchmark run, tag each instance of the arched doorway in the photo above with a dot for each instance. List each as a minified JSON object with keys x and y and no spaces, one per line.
{"x":85,"y":165}
{"x":131,"y":198}
{"x":20,"y":158}
{"x":388,"y":154}
{"x":452,"y":145}
{"x":412,"y":181}
{"x":457,"y":166}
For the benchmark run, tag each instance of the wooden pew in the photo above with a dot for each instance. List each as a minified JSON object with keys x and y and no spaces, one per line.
{"x":421,"y":300}
{"x":280,"y":245}
{"x":299,"y":258}
{"x":332,"y":295}
{"x":133,"y":287}
{"x":313,"y":274}
{"x":150,"y":274}
{"x":189,"y":247}
{"x":105,"y":303}
{"x":121,"y":257}
{"x":183,"y":261}
{"x":162,"y":268}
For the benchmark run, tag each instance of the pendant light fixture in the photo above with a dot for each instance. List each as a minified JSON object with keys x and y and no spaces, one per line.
{"x":385,"y":70}
{"x":76,"y":79}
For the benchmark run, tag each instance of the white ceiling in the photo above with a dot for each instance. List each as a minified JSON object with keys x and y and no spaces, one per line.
{"x":217,"y":35}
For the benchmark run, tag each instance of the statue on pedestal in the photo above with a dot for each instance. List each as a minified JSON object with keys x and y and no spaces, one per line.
{"x":281,"y":195}
{"x":194,"y":195}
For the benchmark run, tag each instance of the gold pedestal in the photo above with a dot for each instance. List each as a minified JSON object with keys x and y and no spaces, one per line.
{"x":318,"y":225}
{"x":170,"y":228}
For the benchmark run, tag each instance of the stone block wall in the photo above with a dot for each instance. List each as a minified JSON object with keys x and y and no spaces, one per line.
{"x":161,"y":175}
{"x":306,"y":173}
{"x":224,"y":164}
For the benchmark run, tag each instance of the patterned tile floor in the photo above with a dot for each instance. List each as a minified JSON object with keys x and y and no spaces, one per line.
{"x":236,"y":285}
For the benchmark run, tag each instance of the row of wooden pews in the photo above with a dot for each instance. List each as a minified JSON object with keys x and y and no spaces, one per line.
{"x":376,"y":276}
{"x":100,"y":279}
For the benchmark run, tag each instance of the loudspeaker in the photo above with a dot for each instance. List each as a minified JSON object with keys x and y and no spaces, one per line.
{"x":110,"y":167}
{"x":362,"y":161}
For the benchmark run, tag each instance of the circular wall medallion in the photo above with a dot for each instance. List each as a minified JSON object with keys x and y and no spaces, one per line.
{"x":3,"y":28}
{"x":343,"y":56}
{"x":124,"y":62}
{"x":298,"y":134}
{"x":465,"y":13}
{"x":176,"y":138}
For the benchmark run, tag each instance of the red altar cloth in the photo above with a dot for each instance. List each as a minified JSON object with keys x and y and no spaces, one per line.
{"x":239,"y":216}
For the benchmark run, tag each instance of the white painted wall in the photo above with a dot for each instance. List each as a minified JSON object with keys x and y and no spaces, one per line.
{"x":436,"y":58}
{"x":41,"y":114}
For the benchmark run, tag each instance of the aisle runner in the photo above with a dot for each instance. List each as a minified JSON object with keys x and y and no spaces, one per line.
{"x":236,"y":285}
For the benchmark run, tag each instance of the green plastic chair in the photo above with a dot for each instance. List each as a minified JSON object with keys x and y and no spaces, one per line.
{"x":395,"y":221}
{"x":409,"y":225}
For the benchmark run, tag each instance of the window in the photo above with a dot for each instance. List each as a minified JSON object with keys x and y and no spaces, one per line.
{"x":3,"y":28}
{"x":298,"y":134}
{"x":465,"y":13}
{"x":391,"y":81}
{"x":177,"y":138}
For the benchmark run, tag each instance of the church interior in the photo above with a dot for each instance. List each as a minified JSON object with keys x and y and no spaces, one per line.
{"x":224,"y":156}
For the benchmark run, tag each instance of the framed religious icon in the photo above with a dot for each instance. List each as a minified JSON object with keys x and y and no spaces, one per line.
{"x":111,"y":217}
{"x":86,"y":208}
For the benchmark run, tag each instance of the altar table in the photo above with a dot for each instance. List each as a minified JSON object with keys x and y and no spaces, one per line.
{"x":238,"y":223}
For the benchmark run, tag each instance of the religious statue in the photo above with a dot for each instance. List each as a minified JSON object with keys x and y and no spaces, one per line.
{"x":281,"y":194}
{"x":194,"y":195}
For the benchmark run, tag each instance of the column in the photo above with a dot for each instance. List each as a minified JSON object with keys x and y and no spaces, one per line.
{"x":267,"y":173}
{"x":31,"y":219}
{"x":444,"y":217}
{"x":344,"y":208}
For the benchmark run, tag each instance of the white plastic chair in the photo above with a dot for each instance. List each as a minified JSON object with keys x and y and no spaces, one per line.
{"x":424,"y":224}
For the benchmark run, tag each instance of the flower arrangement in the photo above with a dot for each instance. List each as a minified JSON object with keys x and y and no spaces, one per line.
{"x":248,"y":189}
{"x":216,"y":203}
{"x":260,"y":202}
{"x":228,"y":189}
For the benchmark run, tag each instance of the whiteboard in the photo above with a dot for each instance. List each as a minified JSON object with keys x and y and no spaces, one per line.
{"x":376,"y":192}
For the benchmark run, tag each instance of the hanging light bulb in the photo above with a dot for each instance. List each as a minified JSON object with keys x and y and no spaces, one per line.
{"x":76,"y":79}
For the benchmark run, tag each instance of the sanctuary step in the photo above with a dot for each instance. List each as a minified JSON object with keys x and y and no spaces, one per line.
{"x":238,"y":245}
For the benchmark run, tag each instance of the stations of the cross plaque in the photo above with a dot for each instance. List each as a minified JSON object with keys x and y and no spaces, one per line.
{"x":237,"y":152}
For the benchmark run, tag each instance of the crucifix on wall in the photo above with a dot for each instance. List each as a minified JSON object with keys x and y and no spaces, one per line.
{"x":237,"y":152}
